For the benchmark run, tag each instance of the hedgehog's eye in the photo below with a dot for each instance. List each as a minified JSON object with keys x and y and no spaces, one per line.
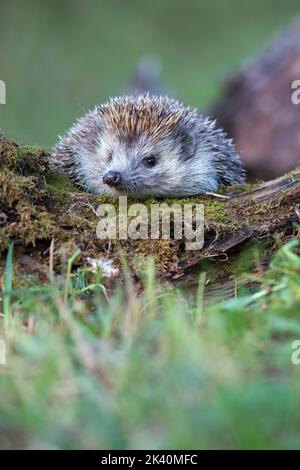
{"x":150,"y":161}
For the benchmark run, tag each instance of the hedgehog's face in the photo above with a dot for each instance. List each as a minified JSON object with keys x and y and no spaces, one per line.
{"x":143,"y":168}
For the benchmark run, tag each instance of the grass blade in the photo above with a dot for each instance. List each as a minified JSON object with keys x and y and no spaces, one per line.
{"x":8,"y":286}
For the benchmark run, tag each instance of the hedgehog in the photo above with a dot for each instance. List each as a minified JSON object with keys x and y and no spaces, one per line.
{"x":147,"y":147}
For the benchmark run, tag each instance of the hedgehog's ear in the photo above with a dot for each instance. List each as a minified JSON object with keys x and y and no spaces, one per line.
{"x":187,"y":144}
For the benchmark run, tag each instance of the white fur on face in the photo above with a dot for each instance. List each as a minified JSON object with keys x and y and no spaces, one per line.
{"x":172,"y":176}
{"x":92,"y":165}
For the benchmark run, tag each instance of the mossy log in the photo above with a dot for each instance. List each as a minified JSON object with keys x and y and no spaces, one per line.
{"x":38,"y":206}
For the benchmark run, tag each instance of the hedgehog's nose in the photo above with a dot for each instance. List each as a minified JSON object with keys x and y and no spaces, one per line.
{"x":112,"y":178}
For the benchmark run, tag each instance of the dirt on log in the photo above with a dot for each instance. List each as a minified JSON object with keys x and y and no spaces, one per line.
{"x":48,"y":219}
{"x":258,"y":111}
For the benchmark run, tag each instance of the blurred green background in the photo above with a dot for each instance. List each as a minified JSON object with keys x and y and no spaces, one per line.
{"x":60,"y":58}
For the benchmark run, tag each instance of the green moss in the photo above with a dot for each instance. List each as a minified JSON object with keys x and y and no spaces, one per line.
{"x":22,"y":189}
{"x":241,"y":188}
{"x":14,"y":188}
{"x":32,"y":160}
{"x":217,"y":211}
{"x":60,"y":182}
{"x":8,"y":153}
{"x":59,"y":187}
{"x":23,"y":159}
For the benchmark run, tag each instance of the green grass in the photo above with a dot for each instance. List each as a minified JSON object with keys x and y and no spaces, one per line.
{"x":160,"y":370}
{"x":7,"y":287}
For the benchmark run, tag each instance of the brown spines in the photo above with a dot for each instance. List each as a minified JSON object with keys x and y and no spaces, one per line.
{"x":132,"y":118}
